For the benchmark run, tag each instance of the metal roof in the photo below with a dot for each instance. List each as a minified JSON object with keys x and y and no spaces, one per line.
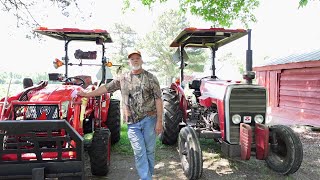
{"x":313,"y":55}
{"x":75,"y":34}
{"x":215,"y":37}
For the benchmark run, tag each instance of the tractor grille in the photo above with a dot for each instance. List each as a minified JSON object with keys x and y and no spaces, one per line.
{"x":245,"y":102}
{"x":35,"y":112}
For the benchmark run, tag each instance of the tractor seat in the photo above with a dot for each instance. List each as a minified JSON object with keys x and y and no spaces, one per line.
{"x":195,"y":84}
{"x":87,"y":80}
{"x":24,"y":94}
{"x":27,"y":82}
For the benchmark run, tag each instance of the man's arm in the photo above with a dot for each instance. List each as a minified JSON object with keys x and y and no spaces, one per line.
{"x":97,"y":92}
{"x":159,"y":107}
{"x":110,"y":87}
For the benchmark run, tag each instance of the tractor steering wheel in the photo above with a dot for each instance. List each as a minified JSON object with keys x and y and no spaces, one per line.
{"x":75,"y":81}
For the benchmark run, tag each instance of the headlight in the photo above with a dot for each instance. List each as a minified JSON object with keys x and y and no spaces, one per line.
{"x":64,"y":108}
{"x":258,"y":118}
{"x":236,"y":119}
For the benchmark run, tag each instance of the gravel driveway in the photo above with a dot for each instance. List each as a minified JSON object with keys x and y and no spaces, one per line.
{"x":216,"y":166}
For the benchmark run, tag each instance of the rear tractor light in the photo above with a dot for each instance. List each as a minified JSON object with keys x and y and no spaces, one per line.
{"x":236,"y":119}
{"x":258,"y":118}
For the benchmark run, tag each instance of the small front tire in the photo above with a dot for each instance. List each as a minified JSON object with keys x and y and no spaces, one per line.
{"x":99,"y":152}
{"x":190,"y":153}
{"x":285,"y":152}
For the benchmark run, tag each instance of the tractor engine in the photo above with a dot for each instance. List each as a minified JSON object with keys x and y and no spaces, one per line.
{"x":204,"y":118}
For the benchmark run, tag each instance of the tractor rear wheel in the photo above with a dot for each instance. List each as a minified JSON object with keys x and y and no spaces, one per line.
{"x":190,"y":153}
{"x":113,"y":120}
{"x":172,"y":116}
{"x":286,"y":153}
{"x":99,"y":152}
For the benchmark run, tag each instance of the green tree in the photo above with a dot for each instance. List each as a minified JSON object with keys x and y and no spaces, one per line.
{"x":219,"y":12}
{"x":124,"y":40}
{"x":303,"y":3}
{"x":32,"y":13}
{"x":156,"y":43}
{"x":229,"y":58}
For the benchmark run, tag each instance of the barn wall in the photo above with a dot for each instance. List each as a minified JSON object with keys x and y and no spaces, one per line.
{"x":270,"y":80}
{"x":300,"y":90}
{"x":293,"y":95}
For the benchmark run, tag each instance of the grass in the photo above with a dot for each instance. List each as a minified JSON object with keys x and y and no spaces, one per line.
{"x":124,"y":147}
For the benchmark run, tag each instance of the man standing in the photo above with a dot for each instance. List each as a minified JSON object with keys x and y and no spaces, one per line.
{"x":142,"y":107}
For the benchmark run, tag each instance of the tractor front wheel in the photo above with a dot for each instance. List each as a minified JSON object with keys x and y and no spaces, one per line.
{"x":286,"y":153}
{"x":113,"y":120}
{"x":172,"y":116}
{"x":99,"y":152}
{"x":190,"y":153}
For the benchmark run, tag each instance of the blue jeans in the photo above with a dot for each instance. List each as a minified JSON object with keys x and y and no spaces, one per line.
{"x":142,"y":136}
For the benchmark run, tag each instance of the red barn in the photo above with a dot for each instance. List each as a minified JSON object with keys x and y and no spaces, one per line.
{"x":293,"y":84}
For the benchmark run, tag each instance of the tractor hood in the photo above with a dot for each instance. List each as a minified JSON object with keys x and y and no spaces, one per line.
{"x":217,"y":88}
{"x":60,"y":93}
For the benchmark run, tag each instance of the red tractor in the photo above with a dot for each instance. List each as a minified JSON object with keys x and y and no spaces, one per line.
{"x":233,"y":113}
{"x":45,"y":129}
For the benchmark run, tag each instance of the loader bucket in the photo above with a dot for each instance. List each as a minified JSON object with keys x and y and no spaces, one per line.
{"x":40,"y":149}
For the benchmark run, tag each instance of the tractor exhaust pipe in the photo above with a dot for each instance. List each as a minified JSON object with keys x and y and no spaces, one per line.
{"x":249,"y":75}
{"x":249,"y":53}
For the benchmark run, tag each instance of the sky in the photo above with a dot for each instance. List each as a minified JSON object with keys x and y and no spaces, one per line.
{"x":282,"y":29}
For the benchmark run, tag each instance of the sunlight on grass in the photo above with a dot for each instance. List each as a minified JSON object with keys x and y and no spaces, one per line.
{"x":124,"y":146}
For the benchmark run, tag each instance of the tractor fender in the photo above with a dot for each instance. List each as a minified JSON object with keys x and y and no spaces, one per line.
{"x":262,"y":141}
{"x":182,"y":98}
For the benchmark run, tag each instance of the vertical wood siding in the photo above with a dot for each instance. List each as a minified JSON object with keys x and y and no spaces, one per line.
{"x":270,"y":80}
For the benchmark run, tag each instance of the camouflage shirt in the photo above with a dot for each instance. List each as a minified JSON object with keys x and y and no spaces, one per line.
{"x":138,"y":92}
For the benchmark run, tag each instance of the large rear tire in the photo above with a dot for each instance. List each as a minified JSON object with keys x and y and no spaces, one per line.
{"x":113,"y":120}
{"x":190,"y":153}
{"x":172,"y":116}
{"x":286,"y":152}
{"x":99,"y":152}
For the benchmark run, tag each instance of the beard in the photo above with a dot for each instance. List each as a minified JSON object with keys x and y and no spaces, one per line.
{"x":135,"y":68}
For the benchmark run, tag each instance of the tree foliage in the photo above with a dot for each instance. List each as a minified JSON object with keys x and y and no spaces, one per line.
{"x":16,"y":78}
{"x":303,"y":3}
{"x":33,"y":13}
{"x":156,"y":43}
{"x":124,"y":40}
{"x":219,"y":12}
{"x":23,"y":9}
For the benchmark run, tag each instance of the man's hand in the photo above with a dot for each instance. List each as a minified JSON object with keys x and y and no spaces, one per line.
{"x":81,"y":93}
{"x":159,"y":126}
{"x":159,"y":108}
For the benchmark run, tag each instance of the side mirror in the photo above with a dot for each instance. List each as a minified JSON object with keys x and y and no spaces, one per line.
{"x":99,"y":41}
{"x":176,"y":56}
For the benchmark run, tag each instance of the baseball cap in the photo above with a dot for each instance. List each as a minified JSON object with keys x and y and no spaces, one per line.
{"x":134,"y":52}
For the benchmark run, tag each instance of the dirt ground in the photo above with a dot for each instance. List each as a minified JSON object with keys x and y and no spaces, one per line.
{"x":216,"y":166}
